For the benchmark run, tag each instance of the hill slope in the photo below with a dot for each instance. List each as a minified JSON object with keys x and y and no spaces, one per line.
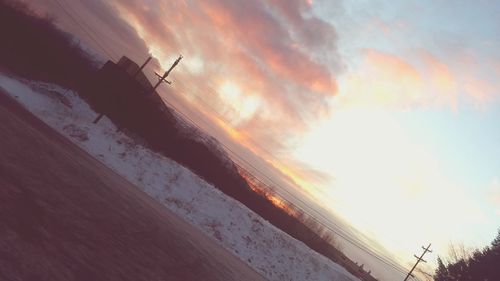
{"x":268,"y":250}
{"x":66,"y":216}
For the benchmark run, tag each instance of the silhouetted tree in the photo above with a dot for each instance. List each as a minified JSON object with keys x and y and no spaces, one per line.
{"x":480,"y":265}
{"x":34,"y":48}
{"x":441,"y":271}
{"x":496,"y":242}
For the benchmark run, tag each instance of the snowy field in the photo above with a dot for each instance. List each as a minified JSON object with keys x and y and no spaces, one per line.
{"x":268,"y":250}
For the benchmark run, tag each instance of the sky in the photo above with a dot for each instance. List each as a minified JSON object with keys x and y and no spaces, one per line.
{"x":414,"y":132}
{"x":384,"y":113}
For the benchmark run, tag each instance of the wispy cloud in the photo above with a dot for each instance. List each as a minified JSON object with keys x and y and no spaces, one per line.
{"x":422,"y":80}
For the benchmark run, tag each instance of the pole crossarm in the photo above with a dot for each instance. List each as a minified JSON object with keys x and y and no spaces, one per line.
{"x":160,"y":77}
{"x":165,"y":75}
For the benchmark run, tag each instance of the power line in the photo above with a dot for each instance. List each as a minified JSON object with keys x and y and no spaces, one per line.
{"x":344,"y":235}
{"x":374,"y":253}
{"x":70,"y":15}
{"x":358,"y":244}
{"x":277,"y":187}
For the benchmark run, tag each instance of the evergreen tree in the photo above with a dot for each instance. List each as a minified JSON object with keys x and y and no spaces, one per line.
{"x":441,"y":271}
{"x":496,"y":242}
{"x":482,"y":265}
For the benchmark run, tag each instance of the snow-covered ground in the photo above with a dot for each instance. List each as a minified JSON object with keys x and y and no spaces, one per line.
{"x":268,"y":250}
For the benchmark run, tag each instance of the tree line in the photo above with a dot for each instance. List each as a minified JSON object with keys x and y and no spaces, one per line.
{"x":479,"y":265}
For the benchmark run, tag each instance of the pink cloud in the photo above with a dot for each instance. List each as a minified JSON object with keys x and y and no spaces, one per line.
{"x":421,"y":80}
{"x":266,"y":48}
{"x":276,"y":51}
{"x":392,"y":66}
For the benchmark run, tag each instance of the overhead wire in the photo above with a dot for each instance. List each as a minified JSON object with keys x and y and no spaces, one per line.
{"x":338,"y":232}
{"x":278,"y":185}
{"x":84,"y":29}
{"x":278,"y":188}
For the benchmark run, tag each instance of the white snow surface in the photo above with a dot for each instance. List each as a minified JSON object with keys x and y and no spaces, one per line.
{"x":270,"y":251}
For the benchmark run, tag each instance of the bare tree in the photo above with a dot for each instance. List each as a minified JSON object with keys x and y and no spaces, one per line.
{"x":423,"y":274}
{"x":458,"y":251}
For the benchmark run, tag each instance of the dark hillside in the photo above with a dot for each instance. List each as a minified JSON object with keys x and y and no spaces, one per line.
{"x":32,"y":47}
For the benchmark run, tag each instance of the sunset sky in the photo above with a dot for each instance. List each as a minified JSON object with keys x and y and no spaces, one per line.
{"x":386,"y":113}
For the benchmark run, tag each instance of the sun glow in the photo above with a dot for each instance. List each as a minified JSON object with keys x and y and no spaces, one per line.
{"x":381,"y":171}
{"x":233,"y":133}
{"x":241,"y":105}
{"x":266,"y":191}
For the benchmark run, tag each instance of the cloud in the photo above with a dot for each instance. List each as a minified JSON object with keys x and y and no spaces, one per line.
{"x":440,"y":78}
{"x":391,"y":67}
{"x":92,"y":21}
{"x":421,"y":80}
{"x":276,"y":52}
{"x":383,"y":80}
{"x":279,"y":59}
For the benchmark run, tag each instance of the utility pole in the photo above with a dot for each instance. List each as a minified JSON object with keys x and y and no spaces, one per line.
{"x":418,"y":260}
{"x":142,"y":67}
{"x":164,"y":77}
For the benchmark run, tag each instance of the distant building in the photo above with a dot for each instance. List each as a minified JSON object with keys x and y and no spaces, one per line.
{"x":137,"y":75}
{"x":132,"y":69}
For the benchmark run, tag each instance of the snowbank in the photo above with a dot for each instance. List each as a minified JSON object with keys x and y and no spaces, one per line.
{"x":268,"y":250}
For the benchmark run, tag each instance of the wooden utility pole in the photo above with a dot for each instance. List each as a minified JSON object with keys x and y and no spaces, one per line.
{"x":165,"y":75}
{"x":418,"y":260}
{"x":142,"y":67}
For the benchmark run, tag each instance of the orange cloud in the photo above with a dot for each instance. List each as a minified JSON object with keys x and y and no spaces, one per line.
{"x":440,"y":73}
{"x":441,"y":81}
{"x":424,"y":80}
{"x":383,"y":80}
{"x":391,"y":67}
